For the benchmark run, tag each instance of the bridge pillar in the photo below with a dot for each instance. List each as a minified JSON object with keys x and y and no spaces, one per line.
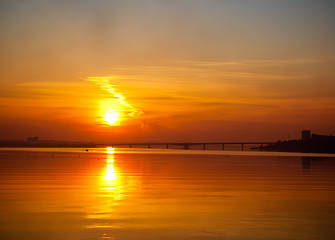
{"x":204,"y":146}
{"x":130,"y":146}
{"x":242,"y":146}
{"x":222,"y":146}
{"x":149,"y":146}
{"x":167,"y":146}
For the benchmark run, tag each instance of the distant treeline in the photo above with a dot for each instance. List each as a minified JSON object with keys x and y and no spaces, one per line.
{"x":316,"y":144}
{"x":44,"y":143}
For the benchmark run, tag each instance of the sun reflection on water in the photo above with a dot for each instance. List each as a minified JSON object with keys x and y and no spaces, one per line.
{"x":110,"y":192}
{"x":116,"y":180}
{"x":111,"y":181}
{"x":110,"y":176}
{"x":106,"y":236}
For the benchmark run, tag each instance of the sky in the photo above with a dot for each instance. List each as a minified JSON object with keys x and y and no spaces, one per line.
{"x":166,"y":70}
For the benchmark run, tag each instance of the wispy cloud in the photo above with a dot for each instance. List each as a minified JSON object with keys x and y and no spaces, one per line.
{"x":106,"y":84}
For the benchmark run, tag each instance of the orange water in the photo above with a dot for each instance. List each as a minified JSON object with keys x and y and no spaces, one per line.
{"x":153,"y":194}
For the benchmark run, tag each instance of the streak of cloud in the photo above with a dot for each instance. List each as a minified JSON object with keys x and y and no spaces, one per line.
{"x":106,"y":84}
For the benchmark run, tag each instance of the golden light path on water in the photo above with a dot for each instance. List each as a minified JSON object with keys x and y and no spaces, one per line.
{"x":110,"y":193}
{"x":110,"y":176}
{"x":109,"y":208}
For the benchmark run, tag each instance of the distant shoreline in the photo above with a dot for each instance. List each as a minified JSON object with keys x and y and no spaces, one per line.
{"x":314,"y":144}
{"x":45,"y":144}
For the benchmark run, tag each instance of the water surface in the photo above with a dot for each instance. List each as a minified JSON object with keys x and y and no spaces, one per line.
{"x":165,"y":194}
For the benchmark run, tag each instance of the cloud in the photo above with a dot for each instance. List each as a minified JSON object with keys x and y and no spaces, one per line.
{"x":106,"y":84}
{"x":145,"y":125}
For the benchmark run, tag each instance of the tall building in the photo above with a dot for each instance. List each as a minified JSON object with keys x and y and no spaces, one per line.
{"x":306,"y":135}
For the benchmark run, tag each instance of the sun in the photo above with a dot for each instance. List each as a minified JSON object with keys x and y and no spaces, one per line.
{"x":111,"y":118}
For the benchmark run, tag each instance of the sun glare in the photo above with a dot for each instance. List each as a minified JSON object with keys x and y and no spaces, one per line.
{"x":110,"y":175}
{"x":111,"y":118}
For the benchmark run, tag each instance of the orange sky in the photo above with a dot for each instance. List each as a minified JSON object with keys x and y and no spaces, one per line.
{"x":166,"y":70}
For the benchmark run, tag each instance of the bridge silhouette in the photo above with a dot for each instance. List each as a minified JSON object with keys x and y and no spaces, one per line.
{"x":187,"y":145}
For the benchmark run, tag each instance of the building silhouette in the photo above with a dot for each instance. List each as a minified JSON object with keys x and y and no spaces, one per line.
{"x":32,"y":139}
{"x":306,"y":135}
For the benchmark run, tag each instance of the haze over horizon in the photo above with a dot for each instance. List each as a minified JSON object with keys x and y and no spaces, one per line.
{"x":166,"y":70}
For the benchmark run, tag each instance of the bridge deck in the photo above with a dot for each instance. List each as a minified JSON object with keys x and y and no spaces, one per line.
{"x":186,"y":145}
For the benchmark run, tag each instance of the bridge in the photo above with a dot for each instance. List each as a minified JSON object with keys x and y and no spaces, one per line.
{"x":187,"y":145}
